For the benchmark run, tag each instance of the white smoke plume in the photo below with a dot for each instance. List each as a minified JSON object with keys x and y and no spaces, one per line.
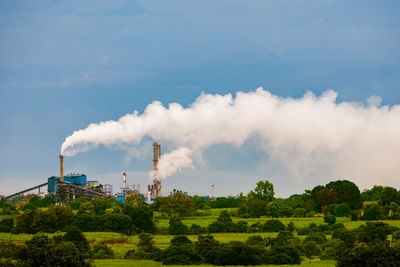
{"x":172,"y":162}
{"x":308,"y":134}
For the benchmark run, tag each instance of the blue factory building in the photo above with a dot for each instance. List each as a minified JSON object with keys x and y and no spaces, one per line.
{"x":75,"y":179}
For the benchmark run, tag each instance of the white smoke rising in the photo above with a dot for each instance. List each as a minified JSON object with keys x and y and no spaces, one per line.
{"x":172,"y":162}
{"x":309,"y":134}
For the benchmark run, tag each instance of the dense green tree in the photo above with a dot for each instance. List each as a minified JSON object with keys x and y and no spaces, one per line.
{"x":177,"y":202}
{"x":224,"y":223}
{"x":140,"y":213}
{"x":373,"y":232}
{"x":176,"y":226}
{"x":342,"y":210}
{"x":256,"y":207}
{"x":88,"y":222}
{"x":6,"y":224}
{"x":273,"y":226}
{"x":347,"y":191}
{"x":373,"y":194}
{"x":264,"y":190}
{"x":101,"y":251}
{"x":329,"y":219}
{"x":236,"y":253}
{"x":117,"y":223}
{"x":180,"y":252}
{"x":74,"y":235}
{"x":372,"y":212}
{"x":389,"y":195}
{"x":368,"y":255}
{"x":203,"y":246}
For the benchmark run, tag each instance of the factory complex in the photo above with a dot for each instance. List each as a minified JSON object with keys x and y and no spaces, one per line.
{"x":72,"y":186}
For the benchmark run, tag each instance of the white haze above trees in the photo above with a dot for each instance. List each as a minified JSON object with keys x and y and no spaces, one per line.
{"x":311,"y":134}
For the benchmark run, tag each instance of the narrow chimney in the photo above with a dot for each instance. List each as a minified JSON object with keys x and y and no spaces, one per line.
{"x":61,"y":168}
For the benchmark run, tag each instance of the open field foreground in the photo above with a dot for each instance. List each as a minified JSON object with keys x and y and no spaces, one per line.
{"x":146,"y":263}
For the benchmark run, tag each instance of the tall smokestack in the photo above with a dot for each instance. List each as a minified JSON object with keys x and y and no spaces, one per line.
{"x":61,"y":168}
{"x":156,"y":179}
{"x":124,"y":183}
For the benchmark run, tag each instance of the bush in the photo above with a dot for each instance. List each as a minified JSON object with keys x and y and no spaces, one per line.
{"x":101,"y":251}
{"x":256,"y":207}
{"x":117,"y":223}
{"x":374,"y":232}
{"x":311,"y":248}
{"x":176,"y":226}
{"x":223,"y":224}
{"x":204,"y":245}
{"x":180,"y":252}
{"x":6,"y":224}
{"x":374,"y":254}
{"x":299,"y":212}
{"x":329,"y":219}
{"x":372,"y":212}
{"x":273,"y":226}
{"x":256,"y":240}
{"x":236,"y":253}
{"x":290,"y":227}
{"x":282,"y":255}
{"x":318,"y":238}
{"x":88,"y":222}
{"x":74,"y":235}
{"x":197,"y":229}
{"x":42,"y":251}
{"x":354,"y":215}
{"x":342,"y":210}
{"x":240,"y":227}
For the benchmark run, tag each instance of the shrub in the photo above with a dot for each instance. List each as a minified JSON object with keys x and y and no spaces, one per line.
{"x":282,"y":255}
{"x":290,"y":227}
{"x":318,"y":238}
{"x":372,"y":212}
{"x":204,"y":245}
{"x":329,"y":219}
{"x":88,"y":222}
{"x":273,"y":226}
{"x":236,"y":253}
{"x":176,"y":226}
{"x":342,"y":210}
{"x":240,"y":227}
{"x":256,"y":207}
{"x":256,"y":240}
{"x":180,"y":252}
{"x":374,"y":254}
{"x":243,"y":211}
{"x":223,"y":224}
{"x":354,"y":215}
{"x":6,"y":224}
{"x":74,"y":235}
{"x":373,"y":232}
{"x":197,"y":229}
{"x":101,"y":251}
{"x":117,"y":223}
{"x":42,"y":251}
{"x":311,"y":248}
{"x":299,"y":212}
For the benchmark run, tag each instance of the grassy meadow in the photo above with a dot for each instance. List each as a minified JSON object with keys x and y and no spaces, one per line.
{"x":121,"y":243}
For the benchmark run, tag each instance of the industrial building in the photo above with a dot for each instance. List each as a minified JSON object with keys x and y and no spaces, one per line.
{"x":72,"y":186}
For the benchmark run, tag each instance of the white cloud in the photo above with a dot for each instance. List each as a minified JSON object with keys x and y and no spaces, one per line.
{"x":310,"y":135}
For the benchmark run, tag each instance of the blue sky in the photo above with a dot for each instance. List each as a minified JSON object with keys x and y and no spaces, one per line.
{"x":66,"y":64}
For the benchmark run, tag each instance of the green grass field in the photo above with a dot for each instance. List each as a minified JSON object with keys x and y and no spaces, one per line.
{"x":146,"y":263}
{"x":121,"y":243}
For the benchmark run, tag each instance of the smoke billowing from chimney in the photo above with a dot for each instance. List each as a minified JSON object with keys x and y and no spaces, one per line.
{"x":307,"y":134}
